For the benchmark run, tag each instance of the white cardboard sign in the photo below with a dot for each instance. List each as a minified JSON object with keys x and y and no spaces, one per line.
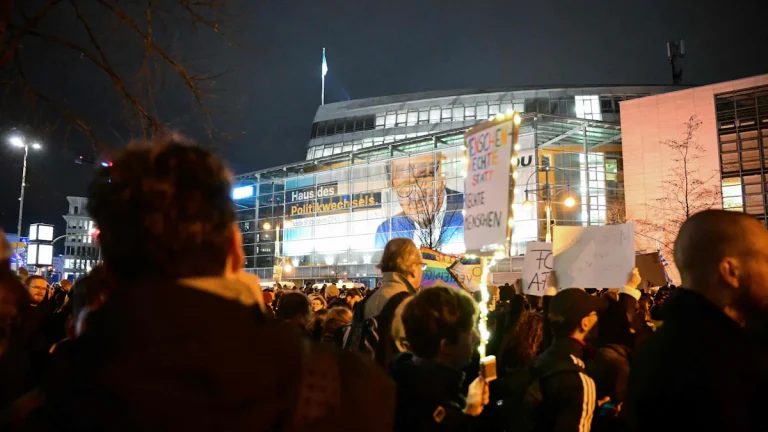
{"x":594,"y":256}
{"x":486,"y":188}
{"x":537,"y":264}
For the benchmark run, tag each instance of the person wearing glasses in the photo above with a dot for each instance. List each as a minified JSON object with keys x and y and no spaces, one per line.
{"x":431,"y":213}
{"x":37,"y":287}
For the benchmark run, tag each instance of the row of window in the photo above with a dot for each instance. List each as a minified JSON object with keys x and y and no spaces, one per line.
{"x":79,"y":264}
{"x":82,"y":251}
{"x":80,"y":224}
{"x":590,"y":107}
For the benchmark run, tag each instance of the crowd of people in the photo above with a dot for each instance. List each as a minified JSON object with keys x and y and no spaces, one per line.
{"x":170,"y":333}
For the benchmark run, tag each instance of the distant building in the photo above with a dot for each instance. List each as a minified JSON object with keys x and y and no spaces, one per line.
{"x":58,"y":264}
{"x":733,"y":133}
{"x":81,"y":253}
{"x":19,"y":251}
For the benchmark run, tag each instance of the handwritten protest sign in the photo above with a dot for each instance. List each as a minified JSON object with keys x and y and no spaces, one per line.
{"x":437,"y":269}
{"x":536,"y":266}
{"x":487,"y":186}
{"x":468,"y":275}
{"x":594,"y":256}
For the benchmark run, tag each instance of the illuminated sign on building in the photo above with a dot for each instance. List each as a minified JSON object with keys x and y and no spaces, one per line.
{"x":243,"y":192}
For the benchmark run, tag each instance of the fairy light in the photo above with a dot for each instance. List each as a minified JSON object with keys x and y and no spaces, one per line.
{"x":482,"y":325}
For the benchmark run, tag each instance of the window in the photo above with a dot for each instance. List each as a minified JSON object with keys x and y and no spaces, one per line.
{"x":390,"y":120}
{"x":732,"y":199}
{"x":482,"y":111}
{"x":434,"y":115}
{"x":413,"y":118}
{"x":469,"y":113}
{"x":588,"y":107}
{"x":349,"y":125}
{"x":424,"y":116}
{"x":446,"y":115}
{"x":339,"y":126}
{"x":458,"y":113}
{"x":380,"y":121}
{"x":401,"y":118}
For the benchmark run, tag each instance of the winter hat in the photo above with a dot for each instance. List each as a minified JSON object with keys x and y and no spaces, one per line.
{"x":331,"y":291}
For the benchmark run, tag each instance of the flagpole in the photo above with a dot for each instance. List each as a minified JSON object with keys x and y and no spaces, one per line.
{"x":322,"y":94}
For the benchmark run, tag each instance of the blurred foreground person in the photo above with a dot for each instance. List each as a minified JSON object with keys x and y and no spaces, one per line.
{"x":14,"y":358}
{"x":705,"y":368}
{"x":440,"y":328}
{"x":182,"y":342}
{"x":294,"y":309}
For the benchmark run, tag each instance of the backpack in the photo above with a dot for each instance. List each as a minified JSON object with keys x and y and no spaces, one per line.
{"x":373,"y":337}
{"x":518,"y":397}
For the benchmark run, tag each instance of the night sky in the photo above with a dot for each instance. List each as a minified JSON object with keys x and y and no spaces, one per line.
{"x":271,"y":51}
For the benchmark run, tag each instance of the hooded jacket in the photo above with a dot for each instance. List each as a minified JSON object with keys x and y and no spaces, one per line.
{"x":699,"y":371}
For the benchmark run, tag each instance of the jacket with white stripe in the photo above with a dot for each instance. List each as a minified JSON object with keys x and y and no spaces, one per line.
{"x":568,"y":393}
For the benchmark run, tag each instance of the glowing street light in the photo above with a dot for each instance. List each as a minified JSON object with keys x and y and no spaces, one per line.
{"x":569,"y":202}
{"x":19,"y":141}
{"x":267,"y":226}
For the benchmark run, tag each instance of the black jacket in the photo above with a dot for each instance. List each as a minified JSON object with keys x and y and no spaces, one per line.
{"x":568,"y":393}
{"x":164,"y":356}
{"x":699,"y":371}
{"x":429,"y":396}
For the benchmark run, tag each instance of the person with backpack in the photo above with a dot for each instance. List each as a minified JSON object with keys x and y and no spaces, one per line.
{"x":440,"y":327}
{"x":556,"y":393}
{"x":402,"y":267}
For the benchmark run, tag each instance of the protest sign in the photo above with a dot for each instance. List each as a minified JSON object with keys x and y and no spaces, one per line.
{"x":437,"y":272}
{"x":536,"y":266}
{"x":594,"y":256}
{"x":467,"y":275}
{"x":651,"y":270}
{"x":487,"y":185}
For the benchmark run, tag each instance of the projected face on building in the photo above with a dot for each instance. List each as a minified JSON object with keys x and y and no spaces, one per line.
{"x":419,"y":186}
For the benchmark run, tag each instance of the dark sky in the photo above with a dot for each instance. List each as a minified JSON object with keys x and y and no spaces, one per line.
{"x":378,"y":48}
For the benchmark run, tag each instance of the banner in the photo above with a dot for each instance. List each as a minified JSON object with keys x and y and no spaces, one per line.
{"x":437,"y":268}
{"x":594,"y":256}
{"x":537,"y":264}
{"x":487,"y":185}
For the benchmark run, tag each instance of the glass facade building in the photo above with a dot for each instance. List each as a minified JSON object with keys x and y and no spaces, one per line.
{"x":742,"y":125}
{"x":348,"y":126}
{"x":332,"y":215}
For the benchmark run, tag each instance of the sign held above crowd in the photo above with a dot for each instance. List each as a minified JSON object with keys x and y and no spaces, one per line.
{"x":538,"y":263}
{"x":594,"y":256}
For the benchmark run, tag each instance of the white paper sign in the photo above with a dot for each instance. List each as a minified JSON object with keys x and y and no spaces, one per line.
{"x":594,"y":256}
{"x":536,"y":266}
{"x":486,"y":188}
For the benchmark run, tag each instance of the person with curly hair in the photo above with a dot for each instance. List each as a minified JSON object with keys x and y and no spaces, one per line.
{"x":522,"y":342}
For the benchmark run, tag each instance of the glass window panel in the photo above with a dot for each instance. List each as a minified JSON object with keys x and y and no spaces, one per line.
{"x":482,"y":111}
{"x":413,"y":118}
{"x":730,"y":162}
{"x":424,"y":116}
{"x":750,"y":144}
{"x":728,"y":147}
{"x":380,"y":121}
{"x":469,"y":112}
{"x":458,"y":113}
{"x":731,"y":188}
{"x":434,"y":115}
{"x":493,"y":109}
{"x":401,"y":119}
{"x":390,"y":120}
{"x":446,"y":115}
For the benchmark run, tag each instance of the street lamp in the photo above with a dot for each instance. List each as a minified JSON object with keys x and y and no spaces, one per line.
{"x":548,"y":195}
{"x":19,"y":141}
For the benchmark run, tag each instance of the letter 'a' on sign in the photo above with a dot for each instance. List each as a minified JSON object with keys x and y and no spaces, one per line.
{"x":489,"y":184}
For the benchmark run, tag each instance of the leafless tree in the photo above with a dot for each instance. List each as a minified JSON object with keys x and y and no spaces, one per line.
{"x":434,"y":225}
{"x":686,"y":191}
{"x":132,"y":43}
{"x":616,"y":214}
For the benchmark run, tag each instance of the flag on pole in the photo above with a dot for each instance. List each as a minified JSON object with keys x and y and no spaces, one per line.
{"x":665,"y":264}
{"x":325,"y":64}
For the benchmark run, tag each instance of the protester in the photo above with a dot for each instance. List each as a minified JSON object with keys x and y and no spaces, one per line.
{"x":401,"y":268}
{"x":318,"y":302}
{"x":331,"y":292}
{"x":316,"y":322}
{"x":182,"y":343}
{"x":440,"y":327}
{"x":370,"y":331}
{"x":294,"y":309}
{"x":353,"y":297}
{"x":521,"y":343}
{"x":14,"y":357}
{"x":704,"y":369}
{"x":337,"y":318}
